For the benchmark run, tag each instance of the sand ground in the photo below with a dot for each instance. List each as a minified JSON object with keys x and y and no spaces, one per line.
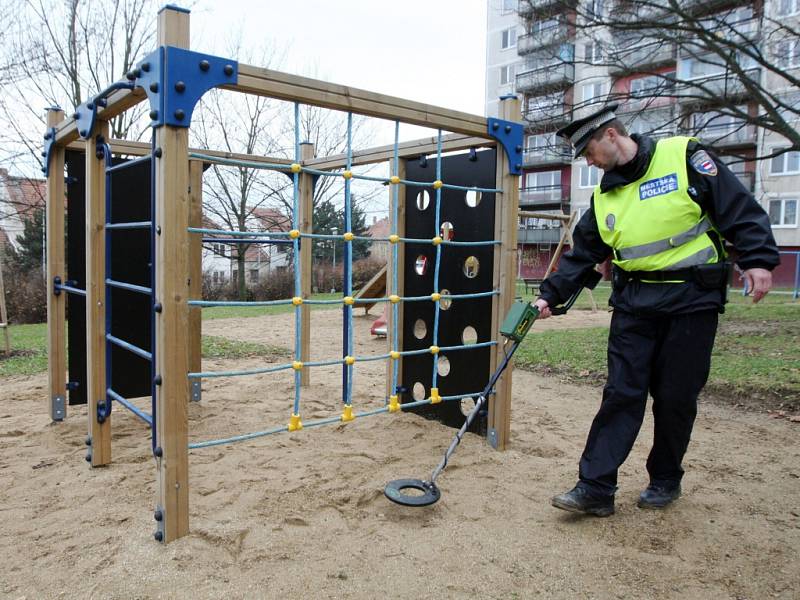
{"x":303,"y":515}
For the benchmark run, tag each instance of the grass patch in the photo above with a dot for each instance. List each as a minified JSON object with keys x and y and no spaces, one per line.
{"x":28,"y":350}
{"x":220,"y":347}
{"x":572,"y":352}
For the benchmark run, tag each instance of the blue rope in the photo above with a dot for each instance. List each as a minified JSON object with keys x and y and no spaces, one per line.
{"x":437,"y":226}
{"x":348,"y":271}
{"x":298,"y":289}
{"x":395,"y":217}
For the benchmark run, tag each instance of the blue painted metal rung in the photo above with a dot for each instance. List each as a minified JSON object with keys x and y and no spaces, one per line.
{"x":130,"y":225}
{"x":130,"y":406}
{"x":58,"y":287}
{"x":129,"y":347}
{"x":129,"y":286}
{"x":128,"y":164}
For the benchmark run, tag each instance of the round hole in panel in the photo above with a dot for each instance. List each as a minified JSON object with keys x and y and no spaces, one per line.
{"x":445,"y":303}
{"x":418,"y":391}
{"x":471,"y":267}
{"x":421,"y":265}
{"x":466,"y":405}
{"x":420,"y":329}
{"x":448,"y":232}
{"x":469,"y":336}
{"x":443,"y":366}
{"x":423,"y":199}
{"x":473,"y":198}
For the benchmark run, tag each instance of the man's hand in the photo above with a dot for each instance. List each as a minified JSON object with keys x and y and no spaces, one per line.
{"x":758,"y":282}
{"x":544,"y":311}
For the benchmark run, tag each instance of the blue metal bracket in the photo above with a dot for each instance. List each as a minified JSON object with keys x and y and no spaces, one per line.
{"x":175,"y":79}
{"x":49,"y":139}
{"x":509,"y":134}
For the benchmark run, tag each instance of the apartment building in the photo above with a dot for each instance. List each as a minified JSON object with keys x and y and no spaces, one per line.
{"x":561,"y":71}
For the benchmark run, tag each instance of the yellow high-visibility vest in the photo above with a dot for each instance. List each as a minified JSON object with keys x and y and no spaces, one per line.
{"x":652,"y":224}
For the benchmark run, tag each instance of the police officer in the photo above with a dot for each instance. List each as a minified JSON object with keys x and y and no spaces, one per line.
{"x":661,"y":212}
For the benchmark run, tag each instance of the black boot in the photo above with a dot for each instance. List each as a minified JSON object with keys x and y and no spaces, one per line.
{"x":580,"y":500}
{"x":659,"y":496}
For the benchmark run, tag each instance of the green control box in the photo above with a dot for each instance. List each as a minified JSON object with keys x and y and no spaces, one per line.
{"x":519,"y":320}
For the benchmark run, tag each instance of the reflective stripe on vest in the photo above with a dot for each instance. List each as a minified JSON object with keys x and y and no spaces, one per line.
{"x":652,"y":224}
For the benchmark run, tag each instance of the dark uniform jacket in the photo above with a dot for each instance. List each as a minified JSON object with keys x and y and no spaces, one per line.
{"x":732,"y":209}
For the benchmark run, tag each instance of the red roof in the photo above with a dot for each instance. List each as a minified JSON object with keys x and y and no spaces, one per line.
{"x":271,"y":219}
{"x":24,"y":194}
{"x":379,"y":229}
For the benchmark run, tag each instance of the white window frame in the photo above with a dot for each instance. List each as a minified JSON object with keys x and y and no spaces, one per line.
{"x":784,"y":158}
{"x":508,"y":38}
{"x":588,"y":177}
{"x":782,"y":224}
{"x":789,"y":57}
{"x":505,"y":4}
{"x":506,"y":72}
{"x":593,"y":53}
{"x":532,"y":177}
{"x":599,"y":86}
{"x":794,"y":7}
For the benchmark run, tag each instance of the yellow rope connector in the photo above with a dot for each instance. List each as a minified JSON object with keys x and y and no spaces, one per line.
{"x":434,"y":349}
{"x":394,"y":298}
{"x":297,"y":300}
{"x":349,"y":360}
{"x":436,"y":241}
{"x":436,"y":296}
{"x":347,"y":174}
{"x":297,"y":365}
{"x":394,"y":403}
{"x":349,"y":300}
{"x":394,"y":355}
{"x":394,"y":238}
{"x":348,"y":237}
{"x":296,"y":168}
{"x":295,"y":424}
{"x":437,"y":184}
{"x":294,"y":234}
{"x":394,"y":179}
{"x":435,"y":397}
{"x":348,"y":415}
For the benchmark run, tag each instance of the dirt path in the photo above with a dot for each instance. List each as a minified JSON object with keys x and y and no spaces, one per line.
{"x":303,"y":515}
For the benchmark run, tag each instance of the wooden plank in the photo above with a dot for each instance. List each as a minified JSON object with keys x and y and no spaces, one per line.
{"x":100,"y":433}
{"x":506,"y":224}
{"x":306,"y":221}
{"x":195,"y":268}
{"x":3,"y":314}
{"x":274,"y":84}
{"x":56,"y":266}
{"x":374,"y":288}
{"x":566,"y":232}
{"x":397,"y":227}
{"x":450,"y":143}
{"x":172,"y":323}
{"x":118,"y":103}
{"x":530,"y":214}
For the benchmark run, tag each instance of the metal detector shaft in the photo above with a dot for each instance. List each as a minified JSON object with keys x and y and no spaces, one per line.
{"x":471,"y":416}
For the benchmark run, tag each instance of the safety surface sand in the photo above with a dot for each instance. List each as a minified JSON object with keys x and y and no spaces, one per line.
{"x":303,"y":515}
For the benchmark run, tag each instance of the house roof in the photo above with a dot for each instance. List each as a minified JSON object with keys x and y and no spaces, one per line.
{"x":24,"y":194}
{"x":379,"y":228}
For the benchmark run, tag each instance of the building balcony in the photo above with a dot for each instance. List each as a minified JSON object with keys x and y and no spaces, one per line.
{"x":555,"y":155}
{"x":538,"y":235}
{"x":637,"y":58}
{"x":699,"y":7}
{"x":540,"y":39}
{"x":730,"y":136}
{"x":547,"y":116}
{"x":526,"y":8}
{"x":715,"y":88}
{"x":543,"y":79}
{"x":540,"y":197}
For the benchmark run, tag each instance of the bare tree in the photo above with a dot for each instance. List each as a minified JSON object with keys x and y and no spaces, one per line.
{"x":726,"y":65}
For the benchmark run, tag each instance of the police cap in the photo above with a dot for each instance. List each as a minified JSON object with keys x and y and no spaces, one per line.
{"x":580,"y":131}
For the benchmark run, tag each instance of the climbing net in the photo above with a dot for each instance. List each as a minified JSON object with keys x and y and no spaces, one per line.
{"x":348,"y":359}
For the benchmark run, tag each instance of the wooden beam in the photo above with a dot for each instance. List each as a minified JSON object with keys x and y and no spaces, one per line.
{"x":397,"y":227}
{"x":118,"y":103}
{"x":506,"y":224}
{"x":3,"y":313}
{"x":56,"y":305}
{"x":306,"y":224}
{"x":530,"y":214}
{"x":195,"y":274}
{"x":171,"y":262}
{"x":274,"y":84}
{"x":100,"y":433}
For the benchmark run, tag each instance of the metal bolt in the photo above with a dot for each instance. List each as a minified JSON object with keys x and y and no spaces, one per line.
{"x":137,"y":73}
{"x":157,"y":379}
{"x":158,"y":536}
{"x":88,"y":457}
{"x":179,"y":114}
{"x":508,"y":128}
{"x":157,"y":307}
{"x":88,"y":440}
{"x":83,"y":133}
{"x":48,"y":135}
{"x":158,"y":230}
{"x":146,"y":67}
{"x":76,"y":115}
{"x":158,"y":515}
{"x":180,"y":87}
{"x":519,"y":148}
{"x":102,"y":102}
{"x":204,"y":65}
{"x":228,"y":70}
{"x":90,"y":106}
{"x":158,"y":152}
{"x":154,"y":87}
{"x":495,"y":125}
{"x":99,"y":154}
{"x":44,"y":154}
{"x":130,"y":76}
{"x":517,"y":167}
{"x":158,"y":452}
{"x":153,"y":115}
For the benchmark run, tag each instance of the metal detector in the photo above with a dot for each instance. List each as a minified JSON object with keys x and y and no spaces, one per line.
{"x":515,"y":327}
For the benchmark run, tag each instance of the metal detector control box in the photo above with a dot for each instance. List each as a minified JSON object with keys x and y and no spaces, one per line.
{"x":518,"y":321}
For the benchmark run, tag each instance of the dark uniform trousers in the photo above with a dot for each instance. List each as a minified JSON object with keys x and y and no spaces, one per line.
{"x":667,"y":356}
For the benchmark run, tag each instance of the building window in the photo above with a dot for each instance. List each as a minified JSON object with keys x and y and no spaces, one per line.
{"x":592,"y":53}
{"x":253,"y":275}
{"x":543,"y":26}
{"x":787,"y":53}
{"x":593,"y":92}
{"x":594,"y":8}
{"x":218,"y":249}
{"x":788,"y":7}
{"x":589,"y":176}
{"x":786,"y":164}
{"x":509,"y":6}
{"x":783,"y":212}
{"x":509,"y":38}
{"x":506,"y":74}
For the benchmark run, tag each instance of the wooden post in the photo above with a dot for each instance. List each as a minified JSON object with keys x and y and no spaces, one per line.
{"x":306,"y":221}
{"x":506,"y":223}
{"x":56,"y":330}
{"x":100,"y":433}
{"x":195,"y":276}
{"x":3,"y":313}
{"x":171,"y":262}
{"x":398,"y":228}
